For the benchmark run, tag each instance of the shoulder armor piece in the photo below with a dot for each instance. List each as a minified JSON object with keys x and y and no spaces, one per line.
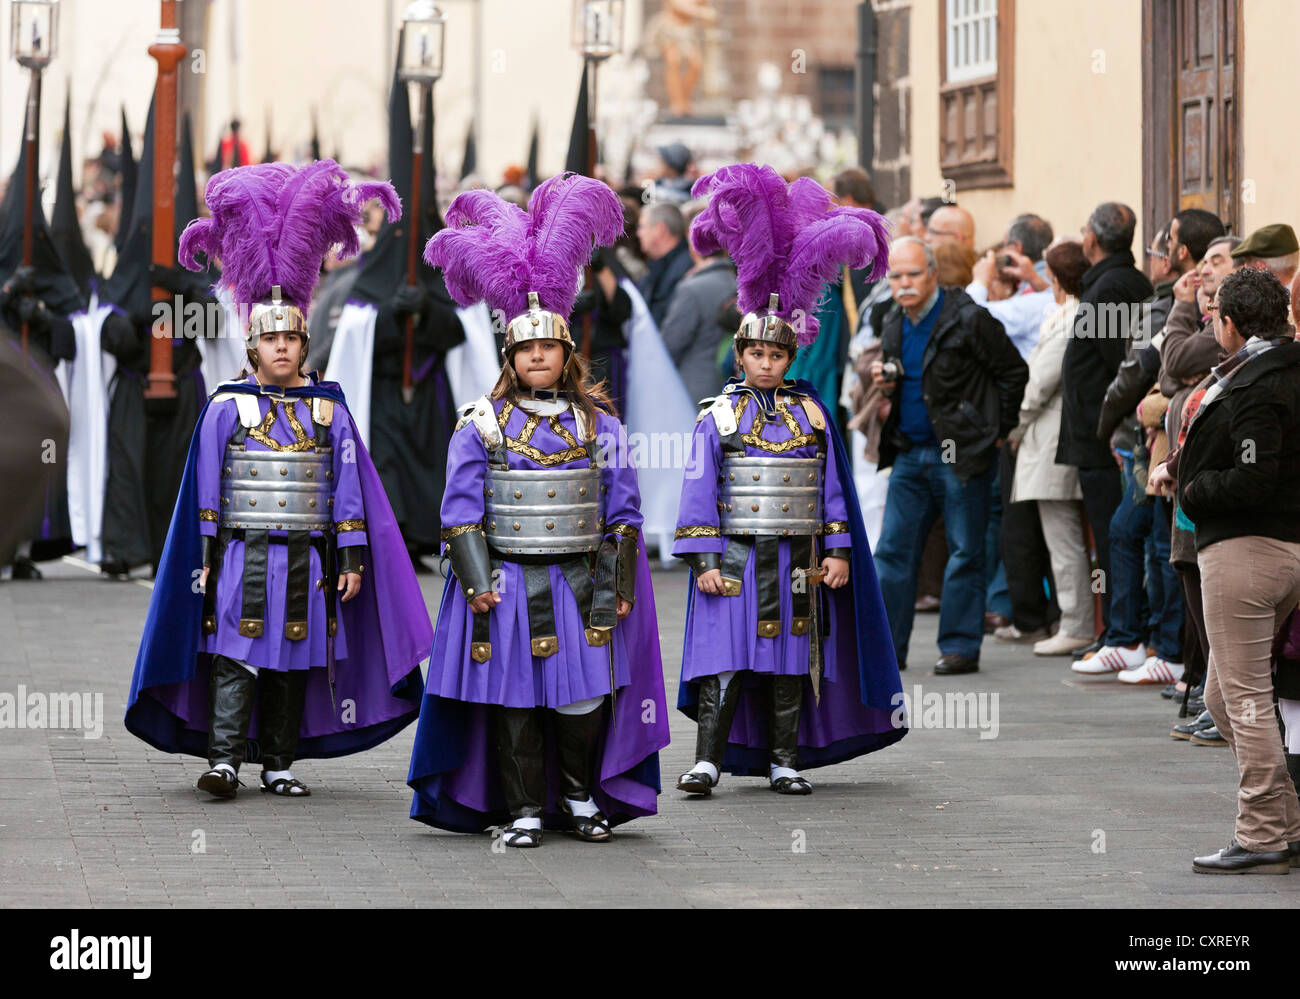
{"x":322,"y":411}
{"x":250,"y":413}
{"x":483,"y":415}
{"x":814,"y":413}
{"x":724,"y":417}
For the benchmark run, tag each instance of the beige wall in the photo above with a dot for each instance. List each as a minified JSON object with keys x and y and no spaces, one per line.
{"x":1078,"y":113}
{"x":1270,"y":109}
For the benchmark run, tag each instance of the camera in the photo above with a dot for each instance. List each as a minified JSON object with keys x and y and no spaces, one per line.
{"x":1004,"y":262}
{"x":891,"y":371}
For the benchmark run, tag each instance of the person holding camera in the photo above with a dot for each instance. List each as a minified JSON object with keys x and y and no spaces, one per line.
{"x":955,"y":381}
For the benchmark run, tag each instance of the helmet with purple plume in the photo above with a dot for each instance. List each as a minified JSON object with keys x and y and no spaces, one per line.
{"x":786,"y":242}
{"x":272,"y":224}
{"x":526,"y":265}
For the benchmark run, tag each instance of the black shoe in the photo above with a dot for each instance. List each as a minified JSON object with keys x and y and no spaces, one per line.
{"x":993,"y":621}
{"x":1185,"y":730}
{"x":1238,"y":860}
{"x":1197,"y":691}
{"x":1209,"y":737}
{"x":951,"y":664}
{"x":1294,"y":850}
{"x":116,"y":570}
{"x":219,"y":782}
{"x":694,"y":782}
{"x":1170,"y":692}
{"x":1096,"y":646}
{"x":25,"y":568}
{"x":1194,"y":707}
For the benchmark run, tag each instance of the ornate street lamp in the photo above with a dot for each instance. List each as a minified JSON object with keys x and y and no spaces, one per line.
{"x":597,"y":34}
{"x":33,"y":39}
{"x":422,"y":45}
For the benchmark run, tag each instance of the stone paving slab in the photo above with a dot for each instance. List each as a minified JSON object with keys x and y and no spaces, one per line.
{"x":943,"y":819}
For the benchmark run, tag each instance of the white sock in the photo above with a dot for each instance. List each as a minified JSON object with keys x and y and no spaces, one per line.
{"x":274,"y":775}
{"x":225,"y":766}
{"x":533,"y":822}
{"x":778,"y":772}
{"x":725,"y":678}
{"x":581,"y":707}
{"x":585,"y":809}
{"x":706,"y":768}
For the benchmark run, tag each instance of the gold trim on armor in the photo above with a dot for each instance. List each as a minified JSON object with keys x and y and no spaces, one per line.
{"x":210,"y":625}
{"x":295,"y":631}
{"x":262,"y":433}
{"x":730,"y":587}
{"x":769,"y":629}
{"x":209,"y":515}
{"x":835,"y":527}
{"x":599,"y":636}
{"x":480,"y":652}
{"x":799,"y":625}
{"x":341,"y":526}
{"x":251,"y":627}
{"x":800,"y":439}
{"x":521,"y":445}
{"x":698,"y":531}
{"x":454,"y":532}
{"x":623,"y":530}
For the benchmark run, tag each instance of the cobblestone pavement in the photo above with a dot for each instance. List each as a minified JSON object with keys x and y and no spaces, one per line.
{"x":1081,"y":799}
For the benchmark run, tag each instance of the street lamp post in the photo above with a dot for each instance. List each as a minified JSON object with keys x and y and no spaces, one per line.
{"x":33,"y":38}
{"x":168,"y":52}
{"x":597,"y":34}
{"x":423,"y":42}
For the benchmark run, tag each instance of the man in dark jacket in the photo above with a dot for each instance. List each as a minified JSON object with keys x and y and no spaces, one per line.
{"x":955,"y":381}
{"x":1109,"y":313}
{"x":1238,"y":481}
{"x":661,"y":228}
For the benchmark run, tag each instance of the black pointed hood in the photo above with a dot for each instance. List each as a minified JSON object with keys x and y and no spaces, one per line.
{"x":576,"y":160}
{"x":315,"y":137}
{"x":128,"y":287}
{"x":129,"y":169}
{"x":54,"y":283}
{"x":469,"y":162}
{"x":532,"y":169}
{"x":65,"y":228}
{"x":268,"y":156}
{"x":383,"y":267}
{"x":187,"y":192}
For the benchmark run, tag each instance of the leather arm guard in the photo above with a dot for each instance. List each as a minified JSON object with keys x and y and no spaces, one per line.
{"x":701,"y":562}
{"x":837,"y":553}
{"x":352,"y":558}
{"x":206,"y":542}
{"x":470,"y":563}
{"x":625,"y":569}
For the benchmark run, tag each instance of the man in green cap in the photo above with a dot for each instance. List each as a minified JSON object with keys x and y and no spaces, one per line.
{"x":1271,"y":248}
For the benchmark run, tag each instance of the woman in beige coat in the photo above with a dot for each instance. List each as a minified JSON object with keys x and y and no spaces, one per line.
{"x":1038,"y":476}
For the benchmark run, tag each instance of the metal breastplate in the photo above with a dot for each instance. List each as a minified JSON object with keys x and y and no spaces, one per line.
{"x":543,"y":511}
{"x":277,"y":490}
{"x":781,"y":496}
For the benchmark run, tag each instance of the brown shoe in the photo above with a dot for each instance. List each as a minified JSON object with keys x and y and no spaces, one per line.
{"x":952,"y":664}
{"x":993,"y":621}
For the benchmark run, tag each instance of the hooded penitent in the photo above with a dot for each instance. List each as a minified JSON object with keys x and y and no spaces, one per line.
{"x":787,"y":242}
{"x":271,"y":226}
{"x":542,"y":646}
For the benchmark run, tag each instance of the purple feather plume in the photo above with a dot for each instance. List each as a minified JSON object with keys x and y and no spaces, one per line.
{"x":494,"y":252}
{"x":791,"y":240}
{"x":273,"y":223}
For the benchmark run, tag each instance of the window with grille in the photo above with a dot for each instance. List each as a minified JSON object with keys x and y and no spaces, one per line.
{"x":976,"y":41}
{"x":972,"y":39}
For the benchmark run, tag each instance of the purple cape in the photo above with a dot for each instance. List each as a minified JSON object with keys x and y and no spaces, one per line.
{"x":378,"y":686}
{"x":860,"y":711}
{"x":454,"y":769}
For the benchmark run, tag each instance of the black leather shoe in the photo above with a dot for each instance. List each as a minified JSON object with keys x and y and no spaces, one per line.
{"x":25,"y":568}
{"x":952,"y":664}
{"x":1170,"y":692}
{"x":219,"y":782}
{"x":1238,"y":860}
{"x":1294,"y":850}
{"x":993,"y":621}
{"x":1185,"y":730}
{"x":1209,"y":737}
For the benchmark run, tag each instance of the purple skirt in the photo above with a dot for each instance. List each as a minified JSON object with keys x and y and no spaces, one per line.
{"x":513,"y":676}
{"x":272,"y":650}
{"x":723,"y":632}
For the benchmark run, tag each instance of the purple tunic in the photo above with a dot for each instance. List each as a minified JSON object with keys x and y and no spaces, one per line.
{"x":513,"y":676}
{"x":722,"y":632}
{"x":273,"y":650}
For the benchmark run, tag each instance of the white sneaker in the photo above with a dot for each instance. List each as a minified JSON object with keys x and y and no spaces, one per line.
{"x":1154,"y":670}
{"x":1060,"y":645}
{"x":1110,"y":659}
